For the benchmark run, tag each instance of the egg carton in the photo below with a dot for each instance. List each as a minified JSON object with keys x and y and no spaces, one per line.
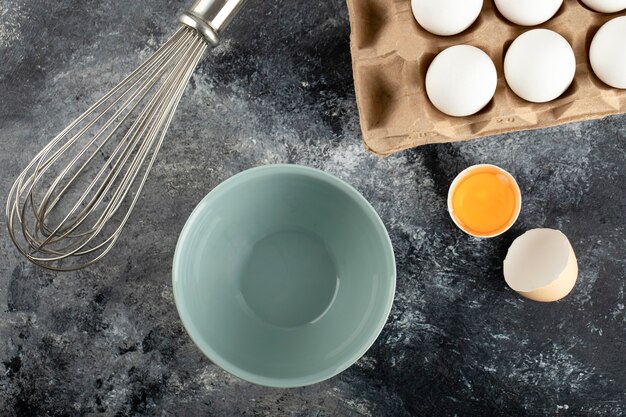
{"x":391,"y":53}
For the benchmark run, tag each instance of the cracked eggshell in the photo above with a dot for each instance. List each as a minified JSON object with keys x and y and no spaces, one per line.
{"x":541,"y":265}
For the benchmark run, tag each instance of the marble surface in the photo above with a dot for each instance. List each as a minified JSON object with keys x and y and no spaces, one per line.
{"x":107,"y":341}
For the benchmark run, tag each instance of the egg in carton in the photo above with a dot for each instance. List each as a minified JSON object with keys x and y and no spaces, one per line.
{"x":391,"y":54}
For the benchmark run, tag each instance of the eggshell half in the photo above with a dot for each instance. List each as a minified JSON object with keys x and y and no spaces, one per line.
{"x":541,"y":265}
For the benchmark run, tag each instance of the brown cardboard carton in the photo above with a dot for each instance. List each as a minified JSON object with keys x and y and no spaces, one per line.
{"x":391,"y":53}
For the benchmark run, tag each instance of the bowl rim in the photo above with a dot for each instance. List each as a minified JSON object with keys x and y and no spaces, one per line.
{"x":324,"y":374}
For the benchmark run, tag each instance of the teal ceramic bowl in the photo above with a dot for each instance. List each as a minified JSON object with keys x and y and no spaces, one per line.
{"x":284,"y":275}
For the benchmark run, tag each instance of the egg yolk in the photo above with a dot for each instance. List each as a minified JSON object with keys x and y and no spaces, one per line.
{"x":485,"y":202}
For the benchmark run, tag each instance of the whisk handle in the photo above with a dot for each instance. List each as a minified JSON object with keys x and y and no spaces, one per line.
{"x":210,"y":17}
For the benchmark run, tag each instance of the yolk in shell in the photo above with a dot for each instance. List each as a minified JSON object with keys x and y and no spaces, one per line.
{"x":485,"y":201}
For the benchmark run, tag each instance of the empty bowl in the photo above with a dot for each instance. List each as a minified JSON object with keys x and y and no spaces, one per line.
{"x":284,"y":275}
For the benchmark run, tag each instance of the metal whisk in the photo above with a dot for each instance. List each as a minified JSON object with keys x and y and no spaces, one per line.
{"x":67,"y":209}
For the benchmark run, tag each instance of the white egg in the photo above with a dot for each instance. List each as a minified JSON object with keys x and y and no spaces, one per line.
{"x":541,"y":265}
{"x":446,"y":17}
{"x":607,"y":53}
{"x":539,"y":65}
{"x":528,"y":12}
{"x":606,"y":6}
{"x":461,"y":80}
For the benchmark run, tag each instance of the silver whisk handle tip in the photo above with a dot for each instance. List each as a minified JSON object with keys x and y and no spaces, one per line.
{"x":210,"y":17}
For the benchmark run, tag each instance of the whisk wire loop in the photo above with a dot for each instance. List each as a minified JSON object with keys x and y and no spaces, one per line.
{"x":72,"y":219}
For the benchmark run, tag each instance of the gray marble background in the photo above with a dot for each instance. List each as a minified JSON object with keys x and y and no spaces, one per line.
{"x":107,"y":341}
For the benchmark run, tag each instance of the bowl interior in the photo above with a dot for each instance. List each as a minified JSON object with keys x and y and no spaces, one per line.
{"x":284,"y":275}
